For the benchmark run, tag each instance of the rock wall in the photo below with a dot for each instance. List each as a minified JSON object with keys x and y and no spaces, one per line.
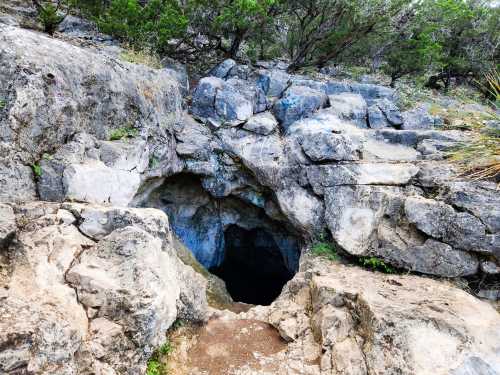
{"x":91,"y":287}
{"x":87,"y":289}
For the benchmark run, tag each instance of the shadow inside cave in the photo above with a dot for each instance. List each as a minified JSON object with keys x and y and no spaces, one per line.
{"x":253,"y":267}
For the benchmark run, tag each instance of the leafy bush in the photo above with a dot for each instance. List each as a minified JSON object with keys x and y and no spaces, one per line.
{"x":154,"y":367}
{"x":120,"y":133}
{"x":326,"y":250}
{"x":37,"y":170}
{"x":48,"y":15}
{"x":376,"y":264}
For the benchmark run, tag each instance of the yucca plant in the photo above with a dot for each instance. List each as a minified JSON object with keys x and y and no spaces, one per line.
{"x":480,"y":157}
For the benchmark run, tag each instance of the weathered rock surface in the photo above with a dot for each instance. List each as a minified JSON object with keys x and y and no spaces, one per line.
{"x":52,"y":90}
{"x":91,"y":286}
{"x":365,"y":322}
{"x":74,"y":305}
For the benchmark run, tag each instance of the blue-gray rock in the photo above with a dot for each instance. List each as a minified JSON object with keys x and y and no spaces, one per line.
{"x":370,"y":92}
{"x":273,"y":82}
{"x":298,"y":102}
{"x":232,"y":107}
{"x":251,"y":92}
{"x":223,"y":69}
{"x":384,"y":113}
{"x":419,"y":118}
{"x":203,"y":103}
{"x":263,"y":123}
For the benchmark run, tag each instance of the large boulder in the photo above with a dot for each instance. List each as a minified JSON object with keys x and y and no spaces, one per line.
{"x":298,"y":102}
{"x":351,"y":107}
{"x":71,"y":173}
{"x":368,"y":323}
{"x":71,"y":304}
{"x":68,"y":90}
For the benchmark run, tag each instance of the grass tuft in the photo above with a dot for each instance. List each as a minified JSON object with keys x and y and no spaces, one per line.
{"x":376,"y":264}
{"x":326,"y":250}
{"x":141,"y":57}
{"x":125,"y":132}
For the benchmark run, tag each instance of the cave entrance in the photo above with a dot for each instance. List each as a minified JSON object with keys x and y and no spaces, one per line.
{"x":253,"y":266}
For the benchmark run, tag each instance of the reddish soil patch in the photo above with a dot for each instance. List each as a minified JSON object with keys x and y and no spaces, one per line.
{"x":224,"y":346}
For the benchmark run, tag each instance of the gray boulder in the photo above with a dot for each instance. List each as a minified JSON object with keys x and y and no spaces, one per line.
{"x":350,"y":107}
{"x":263,"y":123}
{"x":202,"y":105}
{"x":232,"y":107}
{"x":273,"y":82}
{"x":383,"y":113}
{"x":298,"y":102}
{"x":439,"y":220}
{"x":70,"y":89}
{"x":369,"y":92}
{"x":419,"y":118}
{"x":7,"y":224}
{"x":223,"y":69}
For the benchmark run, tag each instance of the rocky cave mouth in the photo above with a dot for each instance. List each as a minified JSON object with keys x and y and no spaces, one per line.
{"x":255,"y":255}
{"x":253,"y":267}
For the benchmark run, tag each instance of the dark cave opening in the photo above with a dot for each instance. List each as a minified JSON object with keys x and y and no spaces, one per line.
{"x":253,"y":267}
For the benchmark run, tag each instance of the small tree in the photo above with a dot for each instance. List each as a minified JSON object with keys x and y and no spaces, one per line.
{"x":48,"y":15}
{"x":321,"y":30}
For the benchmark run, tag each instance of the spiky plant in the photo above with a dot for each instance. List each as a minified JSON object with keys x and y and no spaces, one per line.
{"x":479,"y":158}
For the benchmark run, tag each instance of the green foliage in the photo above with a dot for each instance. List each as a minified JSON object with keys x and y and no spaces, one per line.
{"x":166,"y":348}
{"x":49,"y":17}
{"x":156,"y":364}
{"x":3,"y":103}
{"x":152,"y":25}
{"x":376,"y":264}
{"x":326,"y":250}
{"x":153,"y":162}
{"x":154,"y":367}
{"x":125,"y":132}
{"x":37,"y":170}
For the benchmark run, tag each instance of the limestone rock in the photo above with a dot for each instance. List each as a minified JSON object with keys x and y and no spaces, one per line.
{"x":273,"y":82}
{"x":262,"y":123}
{"x":71,"y":305}
{"x":222,"y":70}
{"x":70,"y":89}
{"x":441,"y":221}
{"x":298,"y":102}
{"x":419,"y":118}
{"x":350,"y":107}
{"x":7,"y":224}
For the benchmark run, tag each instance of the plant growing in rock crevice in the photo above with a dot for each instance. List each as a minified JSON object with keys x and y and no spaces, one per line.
{"x":376,"y":264}
{"x":124,"y":132}
{"x":326,"y":250}
{"x":48,"y":15}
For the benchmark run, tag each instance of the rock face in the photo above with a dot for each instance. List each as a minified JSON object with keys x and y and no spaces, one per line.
{"x":369,"y":323}
{"x":97,"y":304}
{"x":90,"y":284}
{"x":52,"y":90}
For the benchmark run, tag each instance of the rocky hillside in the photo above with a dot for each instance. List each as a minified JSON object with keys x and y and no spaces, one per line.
{"x":103,"y":162}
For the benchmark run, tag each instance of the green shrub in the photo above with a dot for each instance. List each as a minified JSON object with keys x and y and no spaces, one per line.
{"x":154,"y":367}
{"x":120,"y":133}
{"x":376,"y":264}
{"x":3,"y":103}
{"x":49,"y":17}
{"x":37,"y":170}
{"x":326,"y":250}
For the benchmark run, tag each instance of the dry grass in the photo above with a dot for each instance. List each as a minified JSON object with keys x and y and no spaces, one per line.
{"x":142,"y":57}
{"x":480,"y":157}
